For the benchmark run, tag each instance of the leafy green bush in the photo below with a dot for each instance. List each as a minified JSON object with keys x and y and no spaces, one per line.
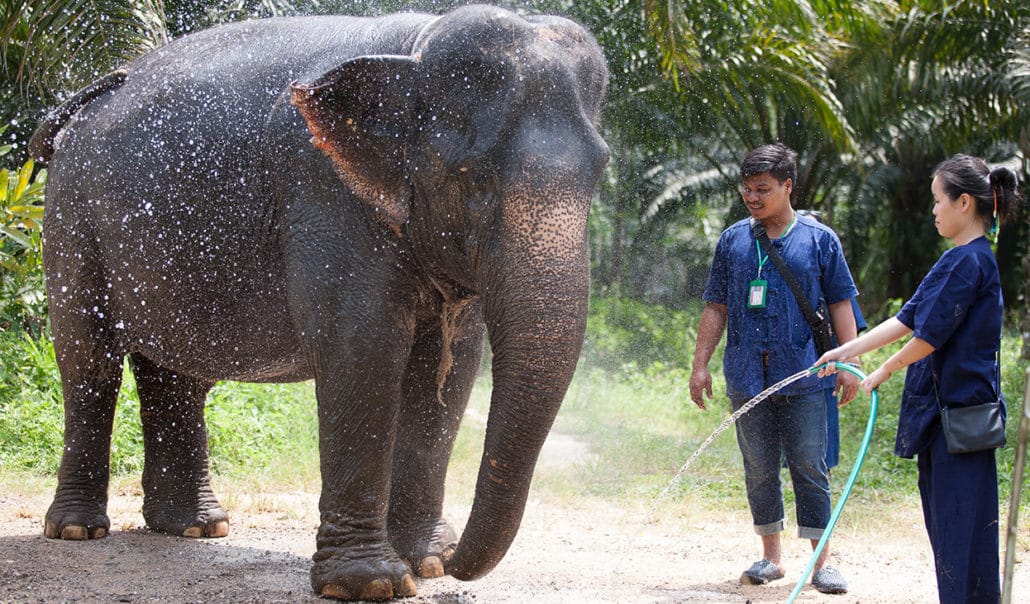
{"x":255,"y":428}
{"x":251,"y":427}
{"x":31,"y":414}
{"x":22,"y":301}
{"x":626,"y":334}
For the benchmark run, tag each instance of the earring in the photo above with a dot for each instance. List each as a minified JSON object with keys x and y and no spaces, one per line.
{"x":992,"y":233}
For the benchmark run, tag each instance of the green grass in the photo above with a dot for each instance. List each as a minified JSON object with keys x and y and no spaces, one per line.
{"x":265,"y":432}
{"x":643,"y":427}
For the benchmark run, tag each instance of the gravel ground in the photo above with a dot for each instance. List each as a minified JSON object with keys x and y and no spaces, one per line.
{"x":566,"y":552}
{"x":584,"y":553}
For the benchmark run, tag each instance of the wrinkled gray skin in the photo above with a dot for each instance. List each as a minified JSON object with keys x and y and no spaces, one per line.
{"x":423,"y":180}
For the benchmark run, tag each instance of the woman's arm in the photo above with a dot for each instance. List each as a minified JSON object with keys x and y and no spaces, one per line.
{"x":889,"y":331}
{"x":914,"y":350}
{"x":842,"y":316}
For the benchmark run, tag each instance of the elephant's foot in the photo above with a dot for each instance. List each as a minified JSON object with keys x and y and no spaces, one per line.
{"x":76,"y":520}
{"x":76,"y":527}
{"x":355,"y":562}
{"x":336,"y":574}
{"x":427,"y":548}
{"x":196,"y":518}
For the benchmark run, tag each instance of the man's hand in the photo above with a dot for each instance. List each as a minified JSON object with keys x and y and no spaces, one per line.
{"x":700,"y":384}
{"x":846,"y":388}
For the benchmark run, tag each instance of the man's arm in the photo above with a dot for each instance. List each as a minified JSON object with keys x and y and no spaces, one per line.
{"x":709,"y":332}
{"x":842,"y":316}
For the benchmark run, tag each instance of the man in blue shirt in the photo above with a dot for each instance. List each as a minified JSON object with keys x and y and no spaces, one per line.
{"x":768,"y":339}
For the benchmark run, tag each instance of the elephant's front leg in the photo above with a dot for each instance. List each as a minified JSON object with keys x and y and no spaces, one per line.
{"x":425,"y":437}
{"x":358,"y":390}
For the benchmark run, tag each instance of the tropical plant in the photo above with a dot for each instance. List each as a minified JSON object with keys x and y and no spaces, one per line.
{"x":872,"y":94}
{"x":929,"y":79}
{"x":693,"y":86}
{"x":22,"y":301}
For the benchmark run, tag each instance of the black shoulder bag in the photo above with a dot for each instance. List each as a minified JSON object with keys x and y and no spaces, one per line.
{"x":972,"y":428}
{"x":822,"y":331}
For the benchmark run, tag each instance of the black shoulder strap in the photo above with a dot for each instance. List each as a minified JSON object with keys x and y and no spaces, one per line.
{"x":813,"y":317}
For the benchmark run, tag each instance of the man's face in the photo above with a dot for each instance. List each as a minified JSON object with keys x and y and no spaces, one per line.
{"x":766,"y":197}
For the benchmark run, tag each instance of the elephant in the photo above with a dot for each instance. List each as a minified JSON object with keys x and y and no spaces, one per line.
{"x":362,"y":201}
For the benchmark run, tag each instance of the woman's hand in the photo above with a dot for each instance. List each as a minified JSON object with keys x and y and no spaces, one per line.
{"x":829,"y":359}
{"x":874,"y":379}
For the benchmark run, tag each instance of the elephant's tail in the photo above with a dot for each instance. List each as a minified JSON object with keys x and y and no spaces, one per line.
{"x":41,"y":145}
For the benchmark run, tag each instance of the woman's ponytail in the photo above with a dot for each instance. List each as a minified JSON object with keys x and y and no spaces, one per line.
{"x":1005,"y":186}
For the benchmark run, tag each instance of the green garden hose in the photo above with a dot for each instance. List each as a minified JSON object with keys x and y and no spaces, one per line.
{"x":873,"y":403}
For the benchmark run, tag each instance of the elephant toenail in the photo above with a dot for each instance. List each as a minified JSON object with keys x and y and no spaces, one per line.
{"x":98,"y":533}
{"x":407,"y":587}
{"x":74,"y":533}
{"x":194,"y":532}
{"x":431,"y":567}
{"x":220,"y":529}
{"x":335,"y":591}
{"x":380,"y":589}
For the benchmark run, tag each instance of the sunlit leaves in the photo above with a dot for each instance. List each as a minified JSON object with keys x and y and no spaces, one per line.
{"x":21,"y":251}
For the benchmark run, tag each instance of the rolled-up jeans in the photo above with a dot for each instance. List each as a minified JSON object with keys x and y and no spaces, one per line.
{"x":791,"y":427}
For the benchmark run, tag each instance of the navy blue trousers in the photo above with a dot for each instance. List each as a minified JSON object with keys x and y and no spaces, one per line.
{"x":960,"y":508}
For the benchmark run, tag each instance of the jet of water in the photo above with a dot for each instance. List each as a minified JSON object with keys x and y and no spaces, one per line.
{"x":761,"y":396}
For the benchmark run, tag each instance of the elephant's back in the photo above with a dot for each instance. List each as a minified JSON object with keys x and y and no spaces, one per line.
{"x":222,"y":82}
{"x":227,"y":78}
{"x":187,"y":128}
{"x":277,"y":51}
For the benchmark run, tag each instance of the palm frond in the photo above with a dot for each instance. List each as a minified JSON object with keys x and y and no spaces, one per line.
{"x":63,"y":44}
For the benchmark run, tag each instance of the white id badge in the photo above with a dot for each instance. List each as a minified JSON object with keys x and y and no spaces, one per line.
{"x":756,"y":294}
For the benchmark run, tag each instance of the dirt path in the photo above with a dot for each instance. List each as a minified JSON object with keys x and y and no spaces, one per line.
{"x":584,"y":551}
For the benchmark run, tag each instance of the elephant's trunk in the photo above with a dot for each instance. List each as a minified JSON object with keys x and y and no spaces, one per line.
{"x":536,"y":321}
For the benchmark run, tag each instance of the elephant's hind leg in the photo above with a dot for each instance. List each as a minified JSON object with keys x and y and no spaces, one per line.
{"x":79,"y":509}
{"x":177,"y":495}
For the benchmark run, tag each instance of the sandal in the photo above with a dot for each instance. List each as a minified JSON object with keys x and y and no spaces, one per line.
{"x":761,"y":572}
{"x":828,"y":580}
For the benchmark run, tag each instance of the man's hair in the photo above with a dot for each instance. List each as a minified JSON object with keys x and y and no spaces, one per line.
{"x":777,"y":159}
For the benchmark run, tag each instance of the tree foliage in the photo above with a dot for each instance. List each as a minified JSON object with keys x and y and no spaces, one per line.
{"x":872,"y":95}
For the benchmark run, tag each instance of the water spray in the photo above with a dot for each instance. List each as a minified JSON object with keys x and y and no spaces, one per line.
{"x":848,"y":485}
{"x":761,"y":396}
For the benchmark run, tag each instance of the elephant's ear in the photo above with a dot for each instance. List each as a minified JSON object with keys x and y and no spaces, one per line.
{"x":359,"y":115}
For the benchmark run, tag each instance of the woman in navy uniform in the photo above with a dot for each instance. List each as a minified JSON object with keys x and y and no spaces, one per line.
{"x":955,"y":320}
